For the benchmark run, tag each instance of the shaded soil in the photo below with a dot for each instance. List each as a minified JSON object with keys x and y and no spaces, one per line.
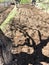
{"x":29,"y":32}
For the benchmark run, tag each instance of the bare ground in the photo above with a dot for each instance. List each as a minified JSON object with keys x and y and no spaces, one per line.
{"x":29,"y":32}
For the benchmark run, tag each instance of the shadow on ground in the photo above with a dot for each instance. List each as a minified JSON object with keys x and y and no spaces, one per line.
{"x":23,"y":58}
{"x":35,"y":58}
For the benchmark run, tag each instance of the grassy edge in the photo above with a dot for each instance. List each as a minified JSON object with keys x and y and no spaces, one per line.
{"x":9,"y":17}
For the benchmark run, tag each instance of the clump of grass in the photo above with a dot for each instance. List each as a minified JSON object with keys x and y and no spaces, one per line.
{"x":25,"y":1}
{"x":9,"y":17}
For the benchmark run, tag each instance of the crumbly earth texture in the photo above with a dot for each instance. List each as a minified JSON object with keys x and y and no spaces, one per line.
{"x":31,"y":23}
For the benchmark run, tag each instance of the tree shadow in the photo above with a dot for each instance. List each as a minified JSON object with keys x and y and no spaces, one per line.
{"x":36,"y":57}
{"x":5,"y":48}
{"x":23,"y":58}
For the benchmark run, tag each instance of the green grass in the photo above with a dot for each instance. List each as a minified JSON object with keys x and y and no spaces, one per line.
{"x":5,"y":1}
{"x":9,"y":17}
{"x":25,"y":1}
{"x":22,"y":1}
{"x":1,"y":0}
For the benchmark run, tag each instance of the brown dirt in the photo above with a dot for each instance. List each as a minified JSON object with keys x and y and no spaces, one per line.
{"x":33,"y":24}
